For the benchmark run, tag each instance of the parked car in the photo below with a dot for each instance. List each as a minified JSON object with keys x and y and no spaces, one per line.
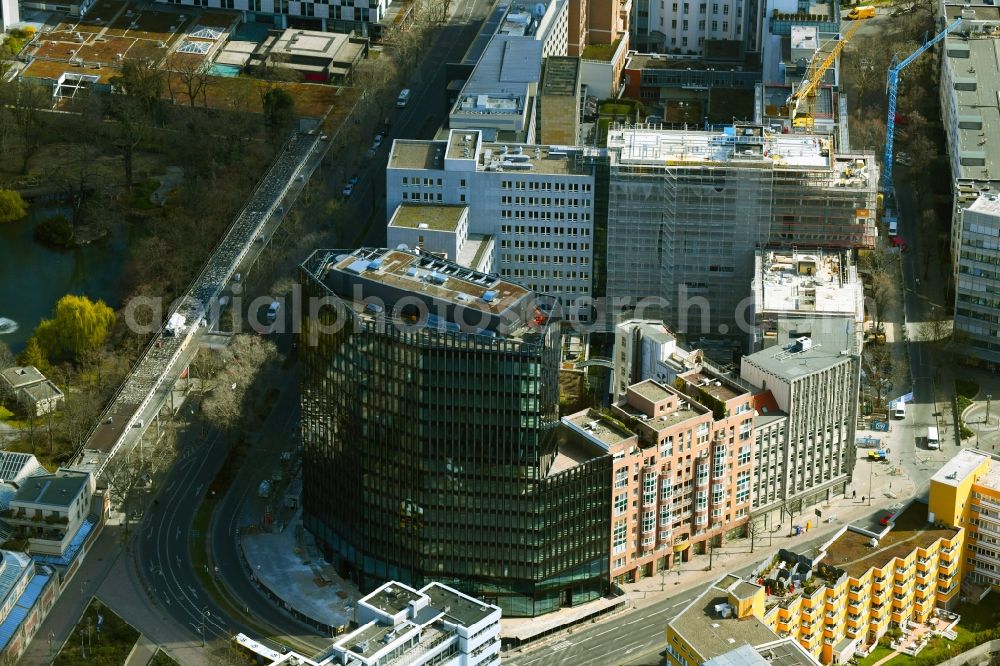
{"x":376,"y":142}
{"x":348,"y":190}
{"x":354,"y":180}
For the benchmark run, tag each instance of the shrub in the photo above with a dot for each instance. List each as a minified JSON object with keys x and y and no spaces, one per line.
{"x":966,"y":431}
{"x":56,"y":231}
{"x":962,"y":403}
{"x":12,"y":206}
{"x":967,"y":388}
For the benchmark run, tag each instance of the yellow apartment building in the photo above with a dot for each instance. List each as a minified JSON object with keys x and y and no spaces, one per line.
{"x":966,"y":492}
{"x":834,"y":600}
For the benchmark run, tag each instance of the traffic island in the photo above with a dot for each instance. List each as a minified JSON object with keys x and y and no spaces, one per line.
{"x":101,"y":638}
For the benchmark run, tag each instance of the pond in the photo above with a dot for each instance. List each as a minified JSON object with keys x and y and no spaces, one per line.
{"x":33,"y":277}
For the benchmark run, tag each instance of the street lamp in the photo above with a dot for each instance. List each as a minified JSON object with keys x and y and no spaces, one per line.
{"x":989,"y":396}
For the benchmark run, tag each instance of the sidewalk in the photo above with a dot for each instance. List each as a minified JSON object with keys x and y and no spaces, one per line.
{"x":888,"y":490}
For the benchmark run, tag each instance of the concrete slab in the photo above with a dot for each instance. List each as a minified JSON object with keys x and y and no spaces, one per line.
{"x":298,"y":576}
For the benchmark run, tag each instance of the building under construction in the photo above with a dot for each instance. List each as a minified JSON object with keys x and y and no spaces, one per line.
{"x":687,"y":211}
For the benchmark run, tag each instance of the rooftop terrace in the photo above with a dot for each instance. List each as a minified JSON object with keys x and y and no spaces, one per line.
{"x":459,"y":608}
{"x":852,"y":551}
{"x":599,"y":427}
{"x":712,"y":635}
{"x":651,"y":391}
{"x":717,"y":387}
{"x":454,"y":298}
{"x":964,"y":463}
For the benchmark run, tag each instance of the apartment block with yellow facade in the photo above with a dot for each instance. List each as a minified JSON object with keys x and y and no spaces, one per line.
{"x":845,"y":595}
{"x":966,"y":492}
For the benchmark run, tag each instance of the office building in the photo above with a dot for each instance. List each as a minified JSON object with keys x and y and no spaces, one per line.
{"x":27,"y":593}
{"x":796,"y":284}
{"x":666,"y":508}
{"x":977,"y":288}
{"x":10,"y":14}
{"x":536,"y":202}
{"x":970,"y":81}
{"x":433,"y":625}
{"x":360,"y":16}
{"x":751,"y":187}
{"x":432,"y":443}
{"x":836,"y":601}
{"x":813,"y":374}
{"x":689,"y":28}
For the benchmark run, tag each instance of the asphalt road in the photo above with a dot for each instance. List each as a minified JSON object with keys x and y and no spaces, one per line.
{"x":635,"y":637}
{"x":423,"y":115}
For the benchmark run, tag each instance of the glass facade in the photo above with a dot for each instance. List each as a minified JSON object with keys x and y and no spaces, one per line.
{"x":428,"y":456}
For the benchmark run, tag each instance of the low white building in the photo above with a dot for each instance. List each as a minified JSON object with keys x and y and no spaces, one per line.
{"x":400,"y":625}
{"x":442,"y":231}
{"x":48,"y":510}
{"x":433,"y":625}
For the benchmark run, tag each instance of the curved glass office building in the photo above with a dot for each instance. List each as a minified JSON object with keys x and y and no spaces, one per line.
{"x":432,"y":444}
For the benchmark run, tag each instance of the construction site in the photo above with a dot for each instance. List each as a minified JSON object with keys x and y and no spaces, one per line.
{"x":753,"y":186}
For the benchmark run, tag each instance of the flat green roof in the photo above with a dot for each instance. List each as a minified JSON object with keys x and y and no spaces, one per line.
{"x":436,"y":217}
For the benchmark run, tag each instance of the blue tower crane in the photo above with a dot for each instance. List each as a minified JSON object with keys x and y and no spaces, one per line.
{"x":891,"y":85}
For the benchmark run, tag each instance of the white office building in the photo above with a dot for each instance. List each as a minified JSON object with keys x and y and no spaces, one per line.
{"x":333,"y":15}
{"x":501,"y":94}
{"x":10,"y":14}
{"x":435,"y":625}
{"x":814,"y":377}
{"x":970,"y":86}
{"x":977,"y":292}
{"x":683,"y":26}
{"x":536,"y":202}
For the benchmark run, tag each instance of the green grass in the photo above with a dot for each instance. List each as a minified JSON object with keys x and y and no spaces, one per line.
{"x":110,"y":647}
{"x":139,"y":196}
{"x":878,"y":653}
{"x":602,"y":52}
{"x":5,"y":413}
{"x":967,"y":388}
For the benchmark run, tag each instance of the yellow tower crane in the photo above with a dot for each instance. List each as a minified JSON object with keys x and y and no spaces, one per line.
{"x":801,"y":102}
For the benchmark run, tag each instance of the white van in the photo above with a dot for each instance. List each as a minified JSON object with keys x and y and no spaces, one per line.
{"x":403,"y":99}
{"x":900,"y":411}
{"x":932,"y":438}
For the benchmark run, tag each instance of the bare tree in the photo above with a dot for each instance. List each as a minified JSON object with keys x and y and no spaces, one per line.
{"x":755,"y":528}
{"x":7,"y":359}
{"x":124,"y":474}
{"x":192,"y":76}
{"x":128,"y":132}
{"x":879,"y":368}
{"x":26,"y":102}
{"x":228,"y":405}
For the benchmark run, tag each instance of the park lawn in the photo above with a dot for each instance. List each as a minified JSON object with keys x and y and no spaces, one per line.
{"x":880,"y":652}
{"x":110,"y":647}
